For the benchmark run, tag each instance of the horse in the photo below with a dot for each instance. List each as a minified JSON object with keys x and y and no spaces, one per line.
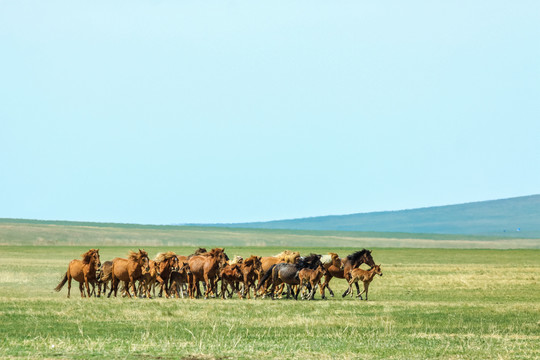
{"x":148,"y":280}
{"x":366,"y":276}
{"x":205,"y":268}
{"x":334,"y":268}
{"x":179,"y":278}
{"x":129,"y":270}
{"x":104,"y":276}
{"x":267,"y":262}
{"x":312,"y":277}
{"x":83,"y":271}
{"x":353,"y":261}
{"x":288,"y":273}
{"x":167,"y":262}
{"x":230,"y":274}
{"x":250,"y":268}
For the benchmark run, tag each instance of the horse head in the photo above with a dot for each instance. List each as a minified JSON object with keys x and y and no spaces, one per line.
{"x":144,"y":261}
{"x":97,"y":259}
{"x":368,"y":259}
{"x":173,"y":263}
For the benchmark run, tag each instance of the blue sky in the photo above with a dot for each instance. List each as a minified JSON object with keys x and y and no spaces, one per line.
{"x":227,"y":111}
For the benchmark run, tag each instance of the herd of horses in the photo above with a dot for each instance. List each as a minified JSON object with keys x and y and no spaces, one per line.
{"x":179,"y":276}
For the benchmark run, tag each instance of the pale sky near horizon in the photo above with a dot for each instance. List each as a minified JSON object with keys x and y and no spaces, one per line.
{"x":163,"y":112}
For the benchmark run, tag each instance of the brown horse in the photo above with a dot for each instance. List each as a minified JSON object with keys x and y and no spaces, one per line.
{"x":179,"y":278}
{"x":83,"y":271}
{"x":312,"y":277}
{"x":366,"y":276}
{"x":250,"y":269}
{"x":167,"y":263}
{"x":129,"y":270}
{"x":148,"y":280}
{"x":353,"y":261}
{"x":230,"y":275}
{"x":334,"y":268}
{"x":104,"y":277}
{"x":205,"y":268}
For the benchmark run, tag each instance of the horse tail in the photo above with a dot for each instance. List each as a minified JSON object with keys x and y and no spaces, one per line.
{"x":265,"y":277}
{"x":62,"y":283}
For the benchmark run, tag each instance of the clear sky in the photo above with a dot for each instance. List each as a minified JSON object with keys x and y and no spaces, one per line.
{"x":165,"y":112}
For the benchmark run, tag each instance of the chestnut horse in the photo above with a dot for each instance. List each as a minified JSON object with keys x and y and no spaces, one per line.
{"x":353,"y":261}
{"x":84,"y":271}
{"x":167,"y":263}
{"x":250,"y":269}
{"x":179,"y":278}
{"x":148,"y":280}
{"x":206,"y":267}
{"x":334,"y":268}
{"x":365,"y":276}
{"x":312,"y":277}
{"x":230,"y":275}
{"x":129,"y":270}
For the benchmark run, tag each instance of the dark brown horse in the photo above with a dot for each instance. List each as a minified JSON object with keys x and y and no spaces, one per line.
{"x":205,"y":268}
{"x":284,"y":273}
{"x":129,"y":270}
{"x":104,"y":277}
{"x":83,"y":271}
{"x":353,"y":261}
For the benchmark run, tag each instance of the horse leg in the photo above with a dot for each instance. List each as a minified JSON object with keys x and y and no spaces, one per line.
{"x":326,"y":283}
{"x":366,"y":287}
{"x":357,"y":288}
{"x":132,"y":283}
{"x":223,"y":289}
{"x":86,"y":284}
{"x":81,"y":289}
{"x":69,"y":283}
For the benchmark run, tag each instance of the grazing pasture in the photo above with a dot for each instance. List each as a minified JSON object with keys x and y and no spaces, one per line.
{"x":430,"y":303}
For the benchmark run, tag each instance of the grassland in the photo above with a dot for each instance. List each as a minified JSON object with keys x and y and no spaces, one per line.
{"x":430,"y":303}
{"x":26,"y":232}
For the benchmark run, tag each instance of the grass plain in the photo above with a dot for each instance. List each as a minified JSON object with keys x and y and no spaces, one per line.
{"x":451,"y":303}
{"x":430,"y":303}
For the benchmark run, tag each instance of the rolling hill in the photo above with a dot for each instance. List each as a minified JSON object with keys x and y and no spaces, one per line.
{"x":514,"y":217}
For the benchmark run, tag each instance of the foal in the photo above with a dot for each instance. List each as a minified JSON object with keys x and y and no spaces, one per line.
{"x":312,"y":277}
{"x":362,"y":275}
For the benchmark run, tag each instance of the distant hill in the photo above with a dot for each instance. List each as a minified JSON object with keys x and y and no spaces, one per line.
{"x":515,"y":217}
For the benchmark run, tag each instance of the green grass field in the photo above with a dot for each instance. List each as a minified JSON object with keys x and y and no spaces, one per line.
{"x":430,"y":303}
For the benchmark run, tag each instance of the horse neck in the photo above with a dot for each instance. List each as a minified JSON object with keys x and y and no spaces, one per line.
{"x":370,"y":274}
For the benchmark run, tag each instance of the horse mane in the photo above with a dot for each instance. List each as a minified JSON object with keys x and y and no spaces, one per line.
{"x":326,"y":259}
{"x":216,"y":251}
{"x":161,"y":257}
{"x":200,"y":251}
{"x":87,"y":256}
{"x":136,"y":256}
{"x":355,"y":257}
{"x":311,"y":262}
